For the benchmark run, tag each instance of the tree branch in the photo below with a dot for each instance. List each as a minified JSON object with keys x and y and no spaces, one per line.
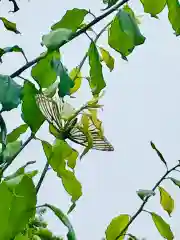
{"x":42,"y":177}
{"x":146,"y":200}
{"x":73,"y":36}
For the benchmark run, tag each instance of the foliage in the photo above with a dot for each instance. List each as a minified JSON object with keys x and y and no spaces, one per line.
{"x":46,"y":99}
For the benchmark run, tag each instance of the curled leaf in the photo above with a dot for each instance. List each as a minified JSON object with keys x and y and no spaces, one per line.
{"x":158,"y":153}
{"x":9,"y":25}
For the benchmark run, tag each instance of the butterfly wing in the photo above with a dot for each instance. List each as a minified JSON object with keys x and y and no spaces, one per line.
{"x":99,"y":142}
{"x":49,"y":109}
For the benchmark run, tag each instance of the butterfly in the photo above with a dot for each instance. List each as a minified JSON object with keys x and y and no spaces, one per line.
{"x":63,"y":126}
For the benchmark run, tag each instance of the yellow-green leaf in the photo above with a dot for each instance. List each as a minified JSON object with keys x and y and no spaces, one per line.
{"x":166,"y":201}
{"x":62,"y":152}
{"x":9,"y":25}
{"x":75,"y":75}
{"x":71,"y":20}
{"x":153,"y":7}
{"x":116,"y":226}
{"x":162,"y":227}
{"x":107,"y":58}
{"x":43,"y":72}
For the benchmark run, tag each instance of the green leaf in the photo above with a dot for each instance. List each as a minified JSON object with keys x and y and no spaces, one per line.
{"x":107,"y":58}
{"x":175,"y":181}
{"x":110,"y":3}
{"x":163,"y":228}
{"x":22,"y":237}
{"x":10,"y":93}
{"x":153,"y":7}
{"x":12,"y":148}
{"x":124,"y":33}
{"x":43,"y":72}
{"x":18,"y":201}
{"x":116,"y":226}
{"x":64,"y":219}
{"x":55,"y":38}
{"x":71,"y":20}
{"x":47,"y":149}
{"x":21,"y":171}
{"x":145,"y":193}
{"x":15,"y":134}
{"x":62,"y":152}
{"x":30,"y":111}
{"x":166,"y":201}
{"x":97,"y":82}
{"x":11,"y":49}
{"x":174,"y":15}
{"x":75,"y":75}
{"x":3,"y":135}
{"x":158,"y":153}
{"x":9,"y":25}
{"x":66,"y":82}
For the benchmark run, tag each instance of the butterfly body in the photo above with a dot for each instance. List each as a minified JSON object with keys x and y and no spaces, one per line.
{"x":70,"y":129}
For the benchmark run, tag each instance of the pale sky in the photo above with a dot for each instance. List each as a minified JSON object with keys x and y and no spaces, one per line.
{"x":140,"y":105}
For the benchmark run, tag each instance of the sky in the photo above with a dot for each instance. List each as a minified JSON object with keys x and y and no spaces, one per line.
{"x":141,"y":104}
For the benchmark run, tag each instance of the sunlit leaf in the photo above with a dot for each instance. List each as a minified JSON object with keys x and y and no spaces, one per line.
{"x":124,"y":33}
{"x":64,"y":219}
{"x":55,"y":38}
{"x":9,"y":25}
{"x":10,"y":93}
{"x":97,"y":82}
{"x":162,"y":227}
{"x":129,"y":10}
{"x":71,"y":20}
{"x":145,"y":193}
{"x":18,"y":201}
{"x":166,"y":201}
{"x":15,"y":134}
{"x":47,"y":149}
{"x":116,"y":226}
{"x":158,"y":153}
{"x":153,"y":7}
{"x":175,"y":181}
{"x":75,"y":75}
{"x":43,"y":72}
{"x":174,"y":15}
{"x":66,"y":82}
{"x":62,"y":152}
{"x":107,"y":58}
{"x":22,"y":237}
{"x":30,"y":111}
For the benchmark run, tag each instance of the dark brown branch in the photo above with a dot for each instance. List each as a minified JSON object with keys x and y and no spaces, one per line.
{"x":73,"y":36}
{"x":146,"y":200}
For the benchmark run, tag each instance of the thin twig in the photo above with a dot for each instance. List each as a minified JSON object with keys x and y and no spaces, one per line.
{"x":145,"y":201}
{"x":73,"y":36}
{"x":42,"y":176}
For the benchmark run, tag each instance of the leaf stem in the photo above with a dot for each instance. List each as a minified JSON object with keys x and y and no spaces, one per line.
{"x":73,"y":36}
{"x":146,"y":200}
{"x":42,"y":177}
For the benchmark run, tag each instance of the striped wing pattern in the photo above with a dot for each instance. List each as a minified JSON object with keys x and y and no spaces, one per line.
{"x":50,"y":110}
{"x":99,"y":142}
